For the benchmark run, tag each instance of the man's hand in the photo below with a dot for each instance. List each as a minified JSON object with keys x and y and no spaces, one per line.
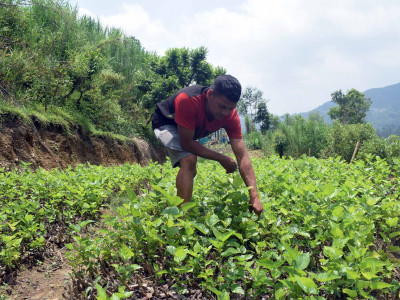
{"x":228,"y":163}
{"x":256,"y":206}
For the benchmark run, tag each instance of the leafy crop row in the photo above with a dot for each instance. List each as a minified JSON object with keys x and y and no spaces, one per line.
{"x":37,"y":208}
{"x":329,"y":230}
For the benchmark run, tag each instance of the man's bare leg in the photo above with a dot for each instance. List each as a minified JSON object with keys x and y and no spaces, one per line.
{"x":184,"y":179}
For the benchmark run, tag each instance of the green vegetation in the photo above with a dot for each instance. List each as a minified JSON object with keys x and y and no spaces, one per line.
{"x":338,"y":239}
{"x":295,"y":136}
{"x":352,"y":107}
{"x":384,"y":111}
{"x":58,"y":67}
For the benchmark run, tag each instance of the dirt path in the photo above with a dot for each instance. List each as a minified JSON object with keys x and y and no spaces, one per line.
{"x":43,"y":282}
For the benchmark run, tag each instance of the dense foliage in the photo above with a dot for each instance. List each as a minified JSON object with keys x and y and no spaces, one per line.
{"x":296,"y":136}
{"x":329,"y":229}
{"x":352,"y":107}
{"x":38,"y":207}
{"x":53,"y":60}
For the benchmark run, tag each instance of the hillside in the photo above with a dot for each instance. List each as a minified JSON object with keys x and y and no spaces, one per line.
{"x":384,"y":113}
{"x":52,"y":147}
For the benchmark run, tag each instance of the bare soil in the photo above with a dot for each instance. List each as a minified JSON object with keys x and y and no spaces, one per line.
{"x":46,"y":281}
{"x":52,"y":147}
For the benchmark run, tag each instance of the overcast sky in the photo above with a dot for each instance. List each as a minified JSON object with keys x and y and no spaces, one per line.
{"x":296,"y":51}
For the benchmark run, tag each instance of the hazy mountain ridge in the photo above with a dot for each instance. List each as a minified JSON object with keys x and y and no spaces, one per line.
{"x":384,"y":113}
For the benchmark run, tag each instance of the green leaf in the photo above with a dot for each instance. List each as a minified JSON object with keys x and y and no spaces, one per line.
{"x":302,"y":261}
{"x":222,"y":236}
{"x":230,"y":251}
{"x":280,"y":293}
{"x":307,"y":285}
{"x":224,"y":295}
{"x":170,"y":249}
{"x":180,"y":254}
{"x":369,"y":275}
{"x":351,"y":274}
{"x":338,"y":212}
{"x":339,"y":243}
{"x":171,"y":199}
{"x":188,"y":205}
{"x":201,"y":227}
{"x":197,"y":248}
{"x":371,"y":262}
{"x":332,"y":252}
{"x":394,"y":234}
{"x":356,"y":251}
{"x":173,"y":211}
{"x":394,"y":249}
{"x":336,"y":231}
{"x":325,"y":277}
{"x":351,"y":293}
{"x":212,"y":220}
{"x":84,"y":223}
{"x":237,"y":289}
{"x":237,"y":180}
{"x":380,"y":285}
{"x":125,"y":253}
{"x":292,"y":252}
{"x":267,"y":263}
{"x":217,"y":244}
{"x":101,"y":293}
{"x":28,"y":218}
{"x":392,"y":222}
{"x":131,"y":195}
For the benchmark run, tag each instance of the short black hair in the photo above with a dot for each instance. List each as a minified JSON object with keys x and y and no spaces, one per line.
{"x":228,"y":86}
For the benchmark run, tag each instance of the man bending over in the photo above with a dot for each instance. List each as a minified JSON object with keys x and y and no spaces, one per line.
{"x":195,"y":112}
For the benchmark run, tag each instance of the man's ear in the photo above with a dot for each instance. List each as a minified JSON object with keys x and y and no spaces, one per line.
{"x":210,"y":93}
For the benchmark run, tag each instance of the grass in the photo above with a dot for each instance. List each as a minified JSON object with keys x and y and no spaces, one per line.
{"x":55,"y":118}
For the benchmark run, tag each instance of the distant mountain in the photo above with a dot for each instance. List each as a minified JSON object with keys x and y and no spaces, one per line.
{"x":384,"y":113}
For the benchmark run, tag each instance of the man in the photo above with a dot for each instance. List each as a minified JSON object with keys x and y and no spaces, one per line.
{"x":195,"y":112}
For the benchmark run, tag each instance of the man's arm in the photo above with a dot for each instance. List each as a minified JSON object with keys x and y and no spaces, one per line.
{"x":247,"y":173}
{"x":190,"y":145}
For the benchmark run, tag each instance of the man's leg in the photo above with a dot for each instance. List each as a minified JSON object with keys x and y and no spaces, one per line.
{"x":184,"y":179}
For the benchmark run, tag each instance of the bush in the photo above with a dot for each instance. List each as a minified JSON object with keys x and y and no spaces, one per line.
{"x":343,"y":139}
{"x":386,"y":148}
{"x":254,"y":140}
{"x":303,"y":135}
{"x":281,"y":143}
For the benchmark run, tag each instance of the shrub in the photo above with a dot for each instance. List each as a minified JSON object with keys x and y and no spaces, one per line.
{"x":386,"y":148}
{"x":253,"y":140}
{"x":343,"y":139}
{"x":281,"y":143}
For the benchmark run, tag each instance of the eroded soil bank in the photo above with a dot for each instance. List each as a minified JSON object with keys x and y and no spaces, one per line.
{"x":51,"y":147}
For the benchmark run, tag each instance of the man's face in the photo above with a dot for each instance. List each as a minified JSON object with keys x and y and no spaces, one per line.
{"x":219,"y":106}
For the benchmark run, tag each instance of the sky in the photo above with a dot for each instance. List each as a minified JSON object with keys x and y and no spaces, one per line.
{"x":297,"y":52}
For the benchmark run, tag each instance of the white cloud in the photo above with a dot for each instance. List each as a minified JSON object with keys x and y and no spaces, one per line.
{"x":135,"y":21}
{"x":297,"y":51}
{"x":83,"y":11}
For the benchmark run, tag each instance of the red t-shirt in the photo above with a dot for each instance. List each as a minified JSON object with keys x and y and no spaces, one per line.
{"x":190,"y":113}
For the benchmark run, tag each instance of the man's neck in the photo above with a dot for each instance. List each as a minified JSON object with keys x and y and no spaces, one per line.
{"x":208,"y":113}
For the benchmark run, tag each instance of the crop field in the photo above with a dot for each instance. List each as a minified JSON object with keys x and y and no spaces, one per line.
{"x":329,"y":230}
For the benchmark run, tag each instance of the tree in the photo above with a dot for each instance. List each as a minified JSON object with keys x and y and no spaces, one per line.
{"x":249,"y":101}
{"x":274,"y":121}
{"x":352,"y":107}
{"x":262,"y":116}
{"x":249,"y":125}
{"x":178,"y":68}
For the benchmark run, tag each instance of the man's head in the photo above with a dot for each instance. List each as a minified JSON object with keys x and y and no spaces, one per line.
{"x":223,"y":96}
{"x":227,"y":85}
